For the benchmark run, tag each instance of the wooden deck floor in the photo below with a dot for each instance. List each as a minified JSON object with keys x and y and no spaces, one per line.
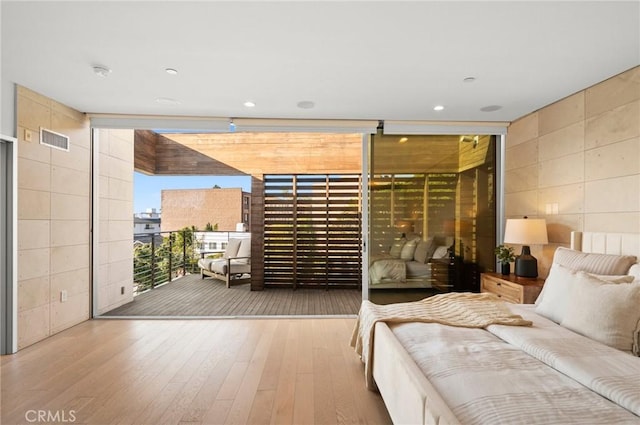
{"x":193,"y":296}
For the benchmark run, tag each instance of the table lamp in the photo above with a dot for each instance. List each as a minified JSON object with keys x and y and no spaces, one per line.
{"x":525,"y":232}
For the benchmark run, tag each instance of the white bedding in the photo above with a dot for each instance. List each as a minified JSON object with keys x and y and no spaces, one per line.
{"x":383,"y":267}
{"x":485,"y":380}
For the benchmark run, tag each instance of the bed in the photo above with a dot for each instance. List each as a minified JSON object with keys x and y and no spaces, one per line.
{"x":567,"y":367}
{"x":409,"y":263}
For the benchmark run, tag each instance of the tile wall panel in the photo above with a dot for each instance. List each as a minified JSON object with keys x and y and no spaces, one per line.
{"x":34,"y":205}
{"x":561,"y":114}
{"x":614,"y":160}
{"x":68,"y":258}
{"x":33,"y":325}
{"x":65,"y":315}
{"x":69,"y":207}
{"x":34,"y":175}
{"x":520,"y":179}
{"x":561,"y":171}
{"x":520,"y":204}
{"x":568,"y":198}
{"x":522,"y":155}
{"x":33,"y":234}
{"x":619,"y":194}
{"x":115,"y":218}
{"x":523,"y":130}
{"x":587,"y":150}
{"x":33,"y":263}
{"x":565,"y":141}
{"x":53,"y":213}
{"x":613,"y":126}
{"x":33,"y":150}
{"x":612,"y":93}
{"x":615,"y":222}
{"x":77,"y":158}
{"x":75,"y":282}
{"x":67,"y":232}
{"x":33,"y":293}
{"x":70,"y":181}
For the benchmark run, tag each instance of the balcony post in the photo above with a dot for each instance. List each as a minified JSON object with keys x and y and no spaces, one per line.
{"x":170,"y":255}
{"x":153,"y":261}
{"x":184,"y":252}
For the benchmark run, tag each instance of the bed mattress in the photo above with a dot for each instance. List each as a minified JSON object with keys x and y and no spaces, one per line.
{"x":481,"y":378}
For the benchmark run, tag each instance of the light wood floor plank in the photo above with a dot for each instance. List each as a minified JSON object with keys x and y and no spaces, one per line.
{"x":196,"y":372}
{"x":285,"y":391}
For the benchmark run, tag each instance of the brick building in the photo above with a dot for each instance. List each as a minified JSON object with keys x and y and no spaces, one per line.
{"x":197,"y":207}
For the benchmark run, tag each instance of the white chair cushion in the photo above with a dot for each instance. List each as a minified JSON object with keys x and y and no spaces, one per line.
{"x":232,"y":248}
{"x":220,"y":267}
{"x":244,"y":251}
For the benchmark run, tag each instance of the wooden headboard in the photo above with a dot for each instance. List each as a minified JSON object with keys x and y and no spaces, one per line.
{"x":607,"y":243}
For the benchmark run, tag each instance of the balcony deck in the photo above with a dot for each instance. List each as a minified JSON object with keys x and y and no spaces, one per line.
{"x":192,"y":296}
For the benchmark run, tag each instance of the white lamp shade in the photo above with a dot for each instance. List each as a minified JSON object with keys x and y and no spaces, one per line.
{"x":526,"y":231}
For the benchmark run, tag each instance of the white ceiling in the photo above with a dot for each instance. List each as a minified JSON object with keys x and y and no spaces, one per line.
{"x":355,"y":60}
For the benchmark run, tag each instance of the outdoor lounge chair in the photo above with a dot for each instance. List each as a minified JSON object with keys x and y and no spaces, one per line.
{"x":234,"y":268}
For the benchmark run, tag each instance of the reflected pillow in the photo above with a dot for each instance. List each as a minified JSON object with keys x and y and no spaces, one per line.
{"x":396,"y":248}
{"x":408,"y":250}
{"x":424,"y":250}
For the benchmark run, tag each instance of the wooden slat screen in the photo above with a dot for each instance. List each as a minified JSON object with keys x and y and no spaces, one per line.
{"x":312,"y":233}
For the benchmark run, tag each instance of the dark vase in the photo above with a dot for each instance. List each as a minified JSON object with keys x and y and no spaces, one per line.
{"x":505,"y":268}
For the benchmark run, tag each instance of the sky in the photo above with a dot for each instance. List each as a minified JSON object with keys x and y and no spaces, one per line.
{"x":146,"y":189}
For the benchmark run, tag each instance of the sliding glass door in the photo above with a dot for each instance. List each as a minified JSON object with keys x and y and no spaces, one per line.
{"x":432,"y":214}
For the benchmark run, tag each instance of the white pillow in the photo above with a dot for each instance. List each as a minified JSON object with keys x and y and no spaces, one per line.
{"x":441,"y":252}
{"x":559,"y":286}
{"x":408,"y":250}
{"x":396,"y":248}
{"x":605,"y":312}
{"x":424,"y":250}
{"x":593,"y":263}
{"x":634,"y":271}
{"x":553,"y":298}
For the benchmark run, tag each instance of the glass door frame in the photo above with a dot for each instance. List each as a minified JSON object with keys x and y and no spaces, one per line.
{"x":496,"y":129}
{"x":8,"y":245}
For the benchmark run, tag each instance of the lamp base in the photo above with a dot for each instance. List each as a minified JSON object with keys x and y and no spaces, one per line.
{"x":526,"y":264}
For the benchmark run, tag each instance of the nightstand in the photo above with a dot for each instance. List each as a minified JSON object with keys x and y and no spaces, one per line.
{"x":518,"y":290}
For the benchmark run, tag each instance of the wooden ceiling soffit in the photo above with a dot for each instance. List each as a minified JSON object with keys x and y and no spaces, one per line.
{"x":250,"y":153}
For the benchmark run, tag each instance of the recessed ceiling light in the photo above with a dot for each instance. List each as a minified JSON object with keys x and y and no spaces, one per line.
{"x":101,"y":71}
{"x":171,"y":71}
{"x":403,"y":140}
{"x":167,"y":101}
{"x":306,"y":104}
{"x":438,"y":108}
{"x":469,"y":79}
{"x":490,"y":108}
{"x":249,"y":104}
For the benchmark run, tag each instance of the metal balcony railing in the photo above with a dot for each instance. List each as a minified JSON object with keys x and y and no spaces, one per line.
{"x":161,"y":257}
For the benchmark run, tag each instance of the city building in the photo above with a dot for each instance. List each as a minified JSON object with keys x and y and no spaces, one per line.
{"x":145,"y":225}
{"x":222,"y":208}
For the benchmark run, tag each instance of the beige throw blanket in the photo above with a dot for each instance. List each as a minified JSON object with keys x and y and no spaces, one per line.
{"x":454,"y":309}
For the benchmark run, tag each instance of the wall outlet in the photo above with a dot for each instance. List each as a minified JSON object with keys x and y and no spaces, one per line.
{"x":63,"y":295}
{"x":28,"y":135}
{"x":122,"y":290}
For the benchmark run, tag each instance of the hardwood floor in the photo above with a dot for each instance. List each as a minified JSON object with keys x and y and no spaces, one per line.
{"x":242,"y":371}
